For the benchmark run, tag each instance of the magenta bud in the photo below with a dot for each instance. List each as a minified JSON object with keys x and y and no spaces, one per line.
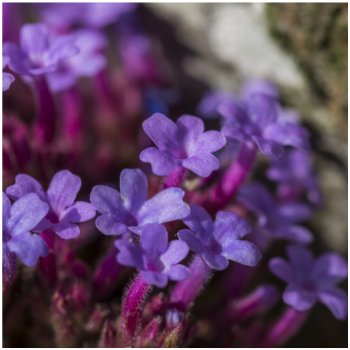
{"x":149,"y":335}
{"x":108,"y":338}
{"x":96,"y":319}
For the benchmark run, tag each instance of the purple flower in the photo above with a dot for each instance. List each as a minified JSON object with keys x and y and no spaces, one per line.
{"x":184,"y":144}
{"x":208,"y":106}
{"x":258,"y":118}
{"x":259,"y":87}
{"x":295,"y":172}
{"x":277,"y":220}
{"x":64,"y":213}
{"x":155,"y":258}
{"x":96,"y":15}
{"x":39,"y":53}
{"x":87,"y":63}
{"x":7,"y":78}
{"x":219,"y":241}
{"x":130,"y":209}
{"x":18,"y":222}
{"x":310,"y":280}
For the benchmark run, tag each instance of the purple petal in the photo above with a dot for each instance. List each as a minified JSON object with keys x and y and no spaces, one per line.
{"x":6,"y":208}
{"x":300,"y":299}
{"x":155,"y":278}
{"x":165,"y":206}
{"x":133,"y":188}
{"x":243,"y":252}
{"x":129,"y":254}
{"x":262,"y":110}
{"x":192,"y":241}
{"x":294,"y":212}
{"x":28,"y":247}
{"x":229,"y":227}
{"x":162,"y":162}
{"x":294,"y":233}
{"x":154,"y":240}
{"x":78,"y":212}
{"x":336,"y":300}
{"x":202,"y":164}
{"x":178,"y":272}
{"x":34,"y":40}
{"x":63,"y":190}
{"x":66,"y":230}
{"x":61,"y":79}
{"x":161,"y":130}
{"x":25,"y":184}
{"x":261,"y":87}
{"x":330,"y":269}
{"x":208,"y":106}
{"x":301,"y":259}
{"x":62,"y":48}
{"x":282,"y":269}
{"x":216,"y":262}
{"x":208,"y":142}
{"x":26,"y":213}
{"x":189,"y":128}
{"x":199,"y":221}
{"x":7,"y":80}
{"x":268,"y":147}
{"x":107,"y":200}
{"x":19,"y":61}
{"x":110,"y":224}
{"x":176,"y":252}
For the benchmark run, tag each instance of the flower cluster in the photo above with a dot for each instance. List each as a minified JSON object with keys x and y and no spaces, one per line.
{"x":188,"y":204}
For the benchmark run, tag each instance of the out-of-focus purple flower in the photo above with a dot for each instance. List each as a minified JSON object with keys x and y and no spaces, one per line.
{"x":310,"y":280}
{"x":208,"y":106}
{"x":295,"y":172}
{"x":257,"y":118}
{"x":278,"y":220}
{"x":18,"y":222}
{"x":87,"y":63}
{"x":219,"y":241}
{"x":155,"y":258}
{"x":95,"y":14}
{"x":64,"y":213}
{"x":39,"y":53}
{"x":259,"y":87}
{"x":184,"y":144}
{"x":7,"y":78}
{"x":130,"y":209}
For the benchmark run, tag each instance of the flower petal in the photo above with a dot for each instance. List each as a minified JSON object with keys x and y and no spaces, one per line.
{"x":191,"y":240}
{"x":63,"y":190}
{"x":66,"y":230}
{"x":301,"y":258}
{"x":165,"y":206}
{"x":107,"y":200}
{"x":330,"y":269}
{"x":189,"y":128}
{"x":34,"y":39}
{"x":129,"y":254}
{"x":199,"y":221}
{"x":110,"y":224}
{"x":28,"y":247}
{"x":243,"y":252}
{"x":133,"y":188}
{"x":268,"y":147}
{"x":6,"y":209}
{"x":209,"y":142}
{"x":25,"y":184}
{"x":157,"y":279}
{"x":78,"y":212}
{"x":202,"y":164}
{"x":62,"y":48}
{"x":299,"y":298}
{"x":294,"y":233}
{"x":154,"y":240}
{"x":294,"y":212}
{"x":176,"y":252}
{"x":336,"y":300}
{"x":162,"y":162}
{"x":7,"y":80}
{"x":178,"y":272}
{"x":216,"y":262}
{"x":282,"y":269}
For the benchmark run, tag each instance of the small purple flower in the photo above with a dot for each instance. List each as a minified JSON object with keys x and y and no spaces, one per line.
{"x":39,"y":53}
{"x":184,"y":144}
{"x":7,"y":78}
{"x":64,"y":213}
{"x":18,"y":222}
{"x":208,"y":106}
{"x":295,"y":172}
{"x":311,"y":279}
{"x":219,"y":241}
{"x":277,"y":220}
{"x":155,"y":258}
{"x":87,"y":63}
{"x":129,"y":209}
{"x":258,"y":118}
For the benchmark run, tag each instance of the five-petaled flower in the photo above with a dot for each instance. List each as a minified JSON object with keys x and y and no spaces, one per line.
{"x":219,"y":241}
{"x":19,"y":220}
{"x":155,"y":258}
{"x":311,"y":279}
{"x":129,"y":209}
{"x":64,"y":213}
{"x":181,"y":144}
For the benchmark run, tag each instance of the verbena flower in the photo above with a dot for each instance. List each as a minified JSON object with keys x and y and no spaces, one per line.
{"x":181,"y":144}
{"x":277,"y":220}
{"x":208,"y":106}
{"x":39,"y":53}
{"x":220,"y":241}
{"x":258,"y":118}
{"x":295,"y":171}
{"x":310,"y":280}
{"x":155,"y":258}
{"x":87,"y":63}
{"x":130,"y":209}
{"x":7,"y":78}
{"x":18,"y":222}
{"x":65,"y":212}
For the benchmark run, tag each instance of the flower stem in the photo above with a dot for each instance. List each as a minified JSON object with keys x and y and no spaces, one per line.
{"x":175,"y":178}
{"x":186,"y":291}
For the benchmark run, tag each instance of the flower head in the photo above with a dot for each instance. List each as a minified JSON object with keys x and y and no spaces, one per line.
{"x":7,"y":78}
{"x":155,"y":258}
{"x":64,"y":213}
{"x":130,"y":209}
{"x":181,"y":144}
{"x":39,"y":53}
{"x":219,"y":241}
{"x":278,"y":220}
{"x":311,"y":279}
{"x":19,"y":220}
